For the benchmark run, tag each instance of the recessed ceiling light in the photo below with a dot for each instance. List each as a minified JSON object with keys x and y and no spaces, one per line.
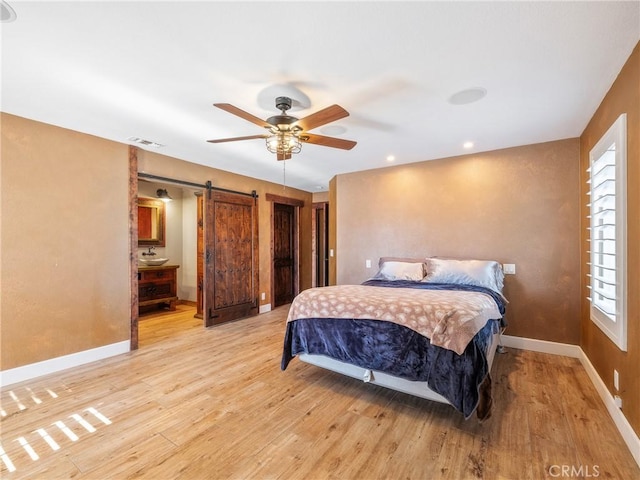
{"x":469,"y":95}
{"x":390,"y":158}
{"x":467,"y":144}
{"x":333,"y":130}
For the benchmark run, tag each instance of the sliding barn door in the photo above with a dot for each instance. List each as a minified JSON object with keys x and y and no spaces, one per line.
{"x":231,"y":257}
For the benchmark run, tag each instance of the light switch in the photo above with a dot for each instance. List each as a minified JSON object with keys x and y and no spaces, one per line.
{"x":509,"y":268}
{"x":368,"y":263}
{"x":331,"y":252}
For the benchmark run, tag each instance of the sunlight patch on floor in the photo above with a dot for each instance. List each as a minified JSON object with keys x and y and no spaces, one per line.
{"x":32,"y":443}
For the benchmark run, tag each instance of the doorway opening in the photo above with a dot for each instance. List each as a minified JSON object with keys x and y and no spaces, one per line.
{"x":204,"y":238}
{"x":320,"y":245}
{"x":169,"y":291}
{"x":285,"y":249}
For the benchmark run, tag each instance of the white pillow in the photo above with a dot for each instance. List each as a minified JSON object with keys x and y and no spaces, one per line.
{"x":471,"y":272}
{"x":401,"y":271}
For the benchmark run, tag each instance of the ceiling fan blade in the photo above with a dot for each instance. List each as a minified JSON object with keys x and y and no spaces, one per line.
{"x":326,"y":115}
{"x":283,"y":156}
{"x":235,"y":139}
{"x":327,"y":141}
{"x":227,"y":107}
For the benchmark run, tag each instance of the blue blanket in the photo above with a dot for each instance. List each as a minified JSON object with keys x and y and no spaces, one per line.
{"x":396,"y":350}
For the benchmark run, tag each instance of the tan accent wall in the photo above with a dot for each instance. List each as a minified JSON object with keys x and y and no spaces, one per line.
{"x":319,"y":197}
{"x":518,"y":205}
{"x":623,"y":97}
{"x":65,"y":254}
{"x":64,"y":236}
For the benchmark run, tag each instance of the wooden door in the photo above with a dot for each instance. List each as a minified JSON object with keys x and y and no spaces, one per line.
{"x":283,"y":253}
{"x":231,"y":257}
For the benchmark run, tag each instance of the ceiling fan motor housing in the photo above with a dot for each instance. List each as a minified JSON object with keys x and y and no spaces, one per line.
{"x":283,"y":103}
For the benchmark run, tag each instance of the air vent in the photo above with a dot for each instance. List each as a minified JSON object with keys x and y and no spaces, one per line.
{"x":146,"y":143}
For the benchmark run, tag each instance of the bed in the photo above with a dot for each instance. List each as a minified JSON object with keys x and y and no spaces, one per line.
{"x":427,"y":327}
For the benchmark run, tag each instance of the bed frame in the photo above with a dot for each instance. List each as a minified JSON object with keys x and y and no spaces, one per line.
{"x":415,"y":388}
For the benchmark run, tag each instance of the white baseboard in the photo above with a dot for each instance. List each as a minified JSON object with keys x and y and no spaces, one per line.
{"x":542,"y":346}
{"x":265,"y":308}
{"x":622,"y":424}
{"x":53,"y":365}
{"x":624,"y":427}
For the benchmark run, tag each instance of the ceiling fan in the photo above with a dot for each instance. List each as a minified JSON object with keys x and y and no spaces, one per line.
{"x":287,"y":133}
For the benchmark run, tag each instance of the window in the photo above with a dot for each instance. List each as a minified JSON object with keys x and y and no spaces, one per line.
{"x":607,"y":232}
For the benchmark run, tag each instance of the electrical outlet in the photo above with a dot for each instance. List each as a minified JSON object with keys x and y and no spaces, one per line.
{"x":618,"y":401}
{"x":331,"y":252}
{"x":616,"y":380}
{"x":509,"y":268}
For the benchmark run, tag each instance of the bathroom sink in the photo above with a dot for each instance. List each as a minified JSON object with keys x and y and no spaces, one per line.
{"x":153,"y":261}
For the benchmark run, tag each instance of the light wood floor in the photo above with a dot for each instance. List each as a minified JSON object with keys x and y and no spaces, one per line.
{"x":198,"y":403}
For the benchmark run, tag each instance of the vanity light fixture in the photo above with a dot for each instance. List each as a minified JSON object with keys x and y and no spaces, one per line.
{"x":163,"y":195}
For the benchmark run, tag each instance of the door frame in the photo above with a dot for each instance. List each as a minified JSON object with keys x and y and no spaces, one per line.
{"x":297,"y":204}
{"x":320,"y":258}
{"x":133,"y":244}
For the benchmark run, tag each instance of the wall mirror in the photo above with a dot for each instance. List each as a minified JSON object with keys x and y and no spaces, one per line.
{"x":151,"y":222}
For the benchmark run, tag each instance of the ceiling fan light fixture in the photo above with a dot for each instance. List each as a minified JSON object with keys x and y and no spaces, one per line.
{"x":284,"y":143}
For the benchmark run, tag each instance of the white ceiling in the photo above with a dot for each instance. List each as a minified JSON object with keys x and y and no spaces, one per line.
{"x":153,"y":69}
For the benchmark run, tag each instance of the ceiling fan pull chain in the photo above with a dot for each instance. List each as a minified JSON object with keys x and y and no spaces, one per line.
{"x":284,"y":176}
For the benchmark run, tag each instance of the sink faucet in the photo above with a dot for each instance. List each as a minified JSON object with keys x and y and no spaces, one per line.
{"x":150,"y":253}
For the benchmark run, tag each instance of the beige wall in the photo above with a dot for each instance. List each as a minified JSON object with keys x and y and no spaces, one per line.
{"x":65,"y":250}
{"x":518,"y":205}
{"x":65,"y":255}
{"x":623,"y":97}
{"x":319,"y":197}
